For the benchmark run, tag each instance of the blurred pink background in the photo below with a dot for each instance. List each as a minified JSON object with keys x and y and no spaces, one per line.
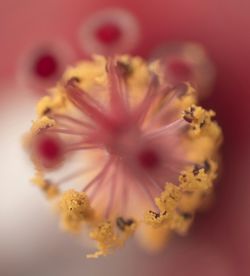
{"x":219,"y":243}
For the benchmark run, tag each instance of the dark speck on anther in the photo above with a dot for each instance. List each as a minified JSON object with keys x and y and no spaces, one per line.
{"x":187,"y":118}
{"x":185,"y":215}
{"x":124,"y":69}
{"x":46,"y":111}
{"x":156,"y":215}
{"x":171,"y":196}
{"x":122,"y":223}
{"x":74,"y":79}
{"x":189,"y":115}
{"x":206,"y":166}
{"x":202,"y":124}
{"x":71,"y":83}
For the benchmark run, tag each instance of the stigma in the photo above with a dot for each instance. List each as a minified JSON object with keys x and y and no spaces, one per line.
{"x":124,"y":149}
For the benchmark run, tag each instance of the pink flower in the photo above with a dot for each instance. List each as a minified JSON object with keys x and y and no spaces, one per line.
{"x":222,"y":27}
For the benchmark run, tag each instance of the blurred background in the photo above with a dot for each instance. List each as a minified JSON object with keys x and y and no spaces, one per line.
{"x":38,"y":40}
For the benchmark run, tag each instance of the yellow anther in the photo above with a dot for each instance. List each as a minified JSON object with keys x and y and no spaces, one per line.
{"x":156,"y":219}
{"x":74,"y":208}
{"x":42,"y":123}
{"x":198,"y":118}
{"x":46,"y":186}
{"x":106,"y":239}
{"x":168,"y":198}
{"x":56,"y":102}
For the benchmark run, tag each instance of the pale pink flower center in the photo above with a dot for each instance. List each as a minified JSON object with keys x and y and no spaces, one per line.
{"x":139,"y":157}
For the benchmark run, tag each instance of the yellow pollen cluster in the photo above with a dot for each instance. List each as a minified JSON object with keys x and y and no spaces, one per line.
{"x":57,"y":101}
{"x":47,"y":187}
{"x":108,"y":239}
{"x":178,"y":203}
{"x":74,"y":210}
{"x":198,"y":118}
{"x":42,"y":123}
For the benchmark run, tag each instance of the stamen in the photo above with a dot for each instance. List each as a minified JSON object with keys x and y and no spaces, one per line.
{"x":73,"y":175}
{"x":167,"y":130}
{"x":112,"y":192}
{"x":99,"y":176}
{"x":66,"y":131}
{"x":124,"y":189}
{"x":166,"y":96}
{"x":83,"y":148}
{"x":155,"y":183}
{"x":85,"y":103}
{"x":69,"y":120}
{"x":151,"y":94}
{"x":144,"y":187}
{"x":118,"y":92}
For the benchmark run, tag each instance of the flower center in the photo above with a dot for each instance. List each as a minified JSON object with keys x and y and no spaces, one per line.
{"x":125,"y":140}
{"x":148,"y":159}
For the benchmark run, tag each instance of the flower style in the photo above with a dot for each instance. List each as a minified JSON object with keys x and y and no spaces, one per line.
{"x":109,"y":31}
{"x":147,"y":154}
{"x":187,"y":61}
